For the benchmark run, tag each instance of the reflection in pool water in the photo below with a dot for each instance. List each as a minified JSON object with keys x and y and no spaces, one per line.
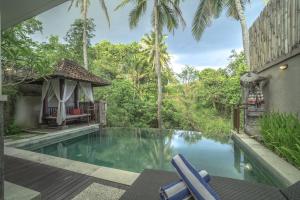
{"x":137,"y":149}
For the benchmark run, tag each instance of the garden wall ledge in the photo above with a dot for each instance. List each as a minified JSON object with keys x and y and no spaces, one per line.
{"x":3,"y":98}
{"x":276,"y":165}
{"x":53,"y":137}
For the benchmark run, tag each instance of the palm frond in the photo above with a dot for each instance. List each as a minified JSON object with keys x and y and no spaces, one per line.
{"x":168,"y":17}
{"x":231,"y":8}
{"x":206,"y":12}
{"x":104,"y":8}
{"x":137,"y":12}
{"x":71,"y":5}
{"x":176,"y":7}
{"x":122,"y":4}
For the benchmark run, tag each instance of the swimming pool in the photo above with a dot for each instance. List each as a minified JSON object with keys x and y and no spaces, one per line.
{"x":138,"y":149}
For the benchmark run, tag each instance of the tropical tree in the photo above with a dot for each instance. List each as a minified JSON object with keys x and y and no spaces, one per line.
{"x":211,"y":9}
{"x":188,"y":74}
{"x":165,"y":13}
{"x":84,"y":4}
{"x":20,"y":53}
{"x":74,"y":36}
{"x":148,"y":48}
{"x":137,"y":71}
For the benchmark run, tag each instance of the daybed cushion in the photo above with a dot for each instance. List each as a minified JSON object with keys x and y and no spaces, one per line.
{"x":147,"y":186}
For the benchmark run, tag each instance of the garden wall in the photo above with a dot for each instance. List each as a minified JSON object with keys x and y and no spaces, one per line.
{"x":27,"y":111}
{"x":275,"y":42}
{"x":282,"y":93}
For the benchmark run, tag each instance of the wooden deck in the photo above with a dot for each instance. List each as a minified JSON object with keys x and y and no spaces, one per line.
{"x":52,"y":183}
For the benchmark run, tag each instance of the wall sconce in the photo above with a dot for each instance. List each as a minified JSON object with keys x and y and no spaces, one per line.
{"x":283,"y":67}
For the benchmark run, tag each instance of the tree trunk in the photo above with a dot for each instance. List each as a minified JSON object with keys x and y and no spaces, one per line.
{"x":157,"y":66}
{"x":242,"y":19}
{"x":84,"y":36}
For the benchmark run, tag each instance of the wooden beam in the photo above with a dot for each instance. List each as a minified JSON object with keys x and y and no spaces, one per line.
{"x":76,"y":97}
{"x":45,"y":106}
{"x":61,"y":87}
{"x":61,"y":90}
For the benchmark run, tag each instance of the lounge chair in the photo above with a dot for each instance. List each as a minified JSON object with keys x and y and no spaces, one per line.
{"x":146,"y":187}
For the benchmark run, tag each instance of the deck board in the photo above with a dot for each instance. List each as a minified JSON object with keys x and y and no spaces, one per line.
{"x":53,"y":183}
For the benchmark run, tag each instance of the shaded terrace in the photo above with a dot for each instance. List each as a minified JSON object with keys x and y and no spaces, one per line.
{"x":67,"y":95}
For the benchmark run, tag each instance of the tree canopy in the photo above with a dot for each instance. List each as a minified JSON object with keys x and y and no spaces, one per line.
{"x":194,"y":99}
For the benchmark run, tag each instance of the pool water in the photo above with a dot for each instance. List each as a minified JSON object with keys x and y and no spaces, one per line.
{"x":138,"y":149}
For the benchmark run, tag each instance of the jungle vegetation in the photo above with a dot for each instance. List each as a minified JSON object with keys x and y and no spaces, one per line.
{"x":192,"y":100}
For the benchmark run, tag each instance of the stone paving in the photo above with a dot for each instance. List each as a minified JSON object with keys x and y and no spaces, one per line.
{"x":98,"y":191}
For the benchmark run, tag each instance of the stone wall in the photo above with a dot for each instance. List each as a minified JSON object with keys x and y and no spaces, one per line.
{"x":282,"y":93}
{"x":27,"y":111}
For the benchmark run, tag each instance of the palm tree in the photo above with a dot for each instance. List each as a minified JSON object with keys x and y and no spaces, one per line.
{"x":165,"y":13}
{"x":211,"y":9}
{"x":84,"y":4}
{"x":137,"y":71}
{"x":148,"y":47}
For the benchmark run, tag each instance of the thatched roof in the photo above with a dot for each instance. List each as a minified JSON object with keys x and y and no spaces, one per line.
{"x":71,"y":70}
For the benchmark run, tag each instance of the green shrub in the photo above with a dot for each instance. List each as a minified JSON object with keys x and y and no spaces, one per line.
{"x":13,"y":129}
{"x":281,"y":133}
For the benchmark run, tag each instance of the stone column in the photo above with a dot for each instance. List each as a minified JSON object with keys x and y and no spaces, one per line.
{"x":2,"y":100}
{"x":1,"y":149}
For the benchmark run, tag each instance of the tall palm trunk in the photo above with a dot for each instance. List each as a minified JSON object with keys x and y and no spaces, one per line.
{"x":245,"y":31}
{"x":157,"y":65}
{"x":84,"y":36}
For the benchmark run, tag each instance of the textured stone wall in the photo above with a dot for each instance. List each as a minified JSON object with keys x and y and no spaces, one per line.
{"x":282,"y":93}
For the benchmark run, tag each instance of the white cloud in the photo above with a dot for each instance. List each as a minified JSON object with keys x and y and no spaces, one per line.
{"x":175,"y":65}
{"x":214,"y":59}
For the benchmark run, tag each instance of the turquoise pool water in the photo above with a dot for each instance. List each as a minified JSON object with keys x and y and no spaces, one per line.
{"x":137,"y":149}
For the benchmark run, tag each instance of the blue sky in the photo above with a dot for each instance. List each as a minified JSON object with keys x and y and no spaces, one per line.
{"x":212,"y":50}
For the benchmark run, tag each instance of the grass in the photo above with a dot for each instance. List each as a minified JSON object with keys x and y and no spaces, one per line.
{"x":13,"y":129}
{"x":281,"y":133}
{"x":212,"y":123}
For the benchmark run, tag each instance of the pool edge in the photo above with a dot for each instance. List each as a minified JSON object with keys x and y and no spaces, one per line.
{"x":277,"y":166}
{"x":105,"y":173}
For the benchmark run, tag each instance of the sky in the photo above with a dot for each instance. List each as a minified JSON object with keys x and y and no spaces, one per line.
{"x":212,"y":51}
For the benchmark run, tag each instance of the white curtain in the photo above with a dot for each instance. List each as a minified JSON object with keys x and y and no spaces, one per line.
{"x":87,"y":90}
{"x":69,"y":87}
{"x":45,"y":89}
{"x":51,"y":94}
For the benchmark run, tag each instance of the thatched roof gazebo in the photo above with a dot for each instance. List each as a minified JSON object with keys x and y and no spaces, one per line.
{"x":63,"y":92}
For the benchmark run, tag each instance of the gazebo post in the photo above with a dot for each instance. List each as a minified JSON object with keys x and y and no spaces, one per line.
{"x":45,"y":106}
{"x":76,"y":97}
{"x":61,"y":90}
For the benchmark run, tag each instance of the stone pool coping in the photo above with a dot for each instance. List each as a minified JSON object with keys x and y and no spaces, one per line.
{"x":277,"y":166}
{"x":105,"y":173}
{"x":54,"y":137}
{"x":15,"y":192}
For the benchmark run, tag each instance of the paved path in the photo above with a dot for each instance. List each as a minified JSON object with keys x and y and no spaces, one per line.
{"x":53,"y":183}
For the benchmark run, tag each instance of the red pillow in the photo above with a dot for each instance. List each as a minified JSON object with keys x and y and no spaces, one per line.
{"x":75,"y":111}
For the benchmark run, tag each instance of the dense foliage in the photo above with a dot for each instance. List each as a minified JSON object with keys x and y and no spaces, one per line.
{"x":19,"y":51}
{"x":193,"y":99}
{"x":281,"y":134}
